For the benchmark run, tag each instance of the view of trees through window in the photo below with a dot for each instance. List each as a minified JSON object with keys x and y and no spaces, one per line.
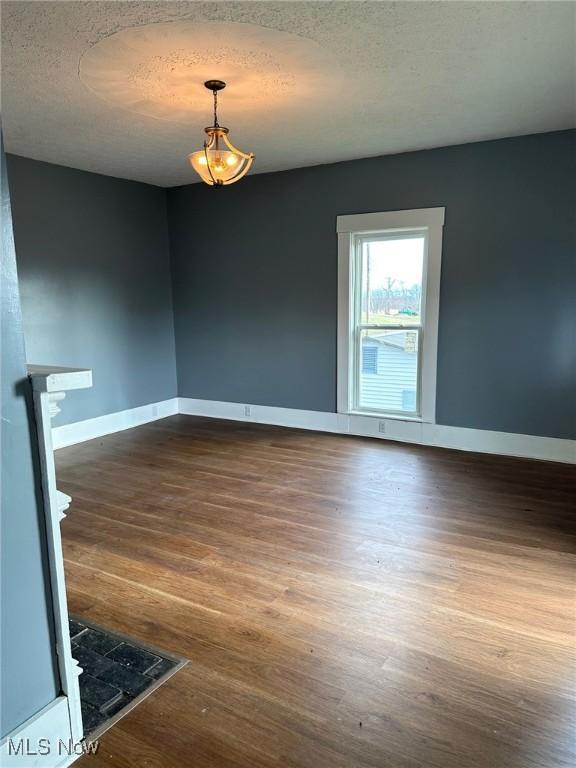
{"x":392,"y":281}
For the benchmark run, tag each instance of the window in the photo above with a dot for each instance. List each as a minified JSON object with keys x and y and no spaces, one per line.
{"x":388,"y":296}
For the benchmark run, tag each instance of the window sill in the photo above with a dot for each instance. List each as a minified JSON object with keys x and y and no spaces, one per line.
{"x":387,"y":416}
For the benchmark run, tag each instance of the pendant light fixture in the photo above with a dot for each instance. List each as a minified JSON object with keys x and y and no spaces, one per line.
{"x":219,"y":162}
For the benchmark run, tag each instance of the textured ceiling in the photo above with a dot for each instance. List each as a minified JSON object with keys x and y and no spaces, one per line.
{"x":116,"y":87}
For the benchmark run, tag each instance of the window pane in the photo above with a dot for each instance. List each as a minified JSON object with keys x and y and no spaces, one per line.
{"x":389,"y":382}
{"x":369,"y":358}
{"x":392,"y":280}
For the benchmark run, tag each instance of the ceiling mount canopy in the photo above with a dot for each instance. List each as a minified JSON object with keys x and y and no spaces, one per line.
{"x":219,"y":162}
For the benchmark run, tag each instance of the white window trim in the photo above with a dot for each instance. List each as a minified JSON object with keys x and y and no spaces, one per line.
{"x":431,"y":219}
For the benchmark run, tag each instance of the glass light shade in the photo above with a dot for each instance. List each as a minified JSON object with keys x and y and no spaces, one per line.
{"x":220,"y":162}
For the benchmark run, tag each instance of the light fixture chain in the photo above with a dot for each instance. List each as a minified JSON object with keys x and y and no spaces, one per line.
{"x":215,"y":92}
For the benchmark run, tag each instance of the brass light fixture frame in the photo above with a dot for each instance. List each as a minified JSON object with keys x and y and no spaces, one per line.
{"x":219,"y":134}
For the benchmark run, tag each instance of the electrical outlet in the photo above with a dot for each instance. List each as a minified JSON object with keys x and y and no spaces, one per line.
{"x":247,"y":410}
{"x":155,"y":411}
{"x":382,"y":427}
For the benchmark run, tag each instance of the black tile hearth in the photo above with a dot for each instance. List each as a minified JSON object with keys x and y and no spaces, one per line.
{"x":122,"y":703}
{"x":117,"y":673}
{"x":90,"y":661}
{"x":126,"y":679}
{"x":159,"y":669}
{"x":97,"y":693}
{"x":76,"y":629}
{"x":134,"y":658}
{"x":92,"y":718}
{"x":97,"y":641}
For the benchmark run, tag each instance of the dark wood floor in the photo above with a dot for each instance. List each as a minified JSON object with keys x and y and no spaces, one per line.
{"x":344,"y":602}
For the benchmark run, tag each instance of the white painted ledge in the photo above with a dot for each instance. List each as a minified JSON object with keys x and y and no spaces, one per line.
{"x":47,"y":378}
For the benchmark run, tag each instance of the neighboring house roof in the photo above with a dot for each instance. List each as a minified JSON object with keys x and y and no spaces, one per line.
{"x":397,"y":339}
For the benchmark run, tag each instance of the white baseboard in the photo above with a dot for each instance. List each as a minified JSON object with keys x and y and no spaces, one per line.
{"x":460,"y":438}
{"x":264,"y":414}
{"x":43,"y":741}
{"x":79,"y":431}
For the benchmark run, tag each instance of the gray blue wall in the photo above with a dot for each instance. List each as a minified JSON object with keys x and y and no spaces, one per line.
{"x":254,"y":281}
{"x":29,"y":672}
{"x":254,"y":275}
{"x":95,"y":283}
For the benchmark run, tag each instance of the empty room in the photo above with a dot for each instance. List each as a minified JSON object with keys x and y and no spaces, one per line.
{"x":288,"y":394}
